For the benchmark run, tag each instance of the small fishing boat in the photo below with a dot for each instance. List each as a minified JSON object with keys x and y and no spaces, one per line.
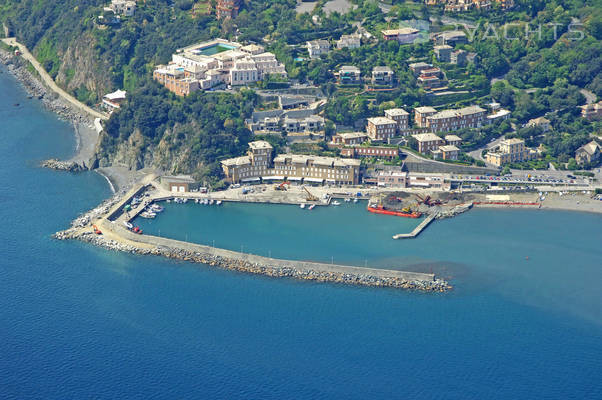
{"x":128,"y":225}
{"x":336,"y":203}
{"x":137,"y":230}
{"x":149,"y":215}
{"x":302,"y":205}
{"x":211,"y":202}
{"x":218,"y":203}
{"x":355,"y":200}
{"x":347,"y":200}
{"x":311,"y":207}
{"x":155,"y":208}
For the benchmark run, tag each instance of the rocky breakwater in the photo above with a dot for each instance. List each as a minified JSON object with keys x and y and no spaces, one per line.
{"x":34,"y":88}
{"x":70,"y":166}
{"x":278,"y":268}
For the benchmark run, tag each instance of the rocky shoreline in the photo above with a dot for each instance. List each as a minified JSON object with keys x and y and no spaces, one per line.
{"x":52,"y":102}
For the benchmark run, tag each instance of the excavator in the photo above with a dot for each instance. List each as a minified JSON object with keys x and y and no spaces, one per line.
{"x":96,"y":230}
{"x":309,"y":197}
{"x":282,"y":186}
{"x":428,"y":201}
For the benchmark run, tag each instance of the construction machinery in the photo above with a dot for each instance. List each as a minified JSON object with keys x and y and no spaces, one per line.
{"x":428,"y":200}
{"x":309,"y":197}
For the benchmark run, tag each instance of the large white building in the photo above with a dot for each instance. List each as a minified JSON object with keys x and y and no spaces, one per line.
{"x":219,"y":61}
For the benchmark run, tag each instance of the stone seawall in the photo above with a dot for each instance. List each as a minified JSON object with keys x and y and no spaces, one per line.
{"x":152,"y":245}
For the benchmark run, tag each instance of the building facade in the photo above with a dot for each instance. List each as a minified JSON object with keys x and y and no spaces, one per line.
{"x":421,"y":114}
{"x":370,"y":151}
{"x":589,"y":153}
{"x":401,"y":118}
{"x":349,"y":41}
{"x":258,"y":165}
{"x":443,"y":53}
{"x":349,"y":139}
{"x":382,"y":76}
{"x":205,"y":65}
{"x":450,"y":120}
{"x":402,"y":35}
{"x":427,"y":142}
{"x":381,"y":128}
{"x":317,"y":48}
{"x":509,"y":151}
{"x":349,"y":75}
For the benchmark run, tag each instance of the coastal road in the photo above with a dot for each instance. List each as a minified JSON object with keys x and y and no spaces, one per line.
{"x":47,"y":79}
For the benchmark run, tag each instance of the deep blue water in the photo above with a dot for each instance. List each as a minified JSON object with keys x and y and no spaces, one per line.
{"x":81,"y":322}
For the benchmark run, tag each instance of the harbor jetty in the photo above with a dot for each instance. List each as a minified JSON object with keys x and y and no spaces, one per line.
{"x":109,"y":220}
{"x":422,"y":226}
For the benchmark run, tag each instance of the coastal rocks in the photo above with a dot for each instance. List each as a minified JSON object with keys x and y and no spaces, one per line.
{"x":18,"y":68}
{"x":448,"y":213}
{"x":70,"y":166}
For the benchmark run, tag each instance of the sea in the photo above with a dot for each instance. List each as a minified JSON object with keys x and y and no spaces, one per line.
{"x":523,"y":321}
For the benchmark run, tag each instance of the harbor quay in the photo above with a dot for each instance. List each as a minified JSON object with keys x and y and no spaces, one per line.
{"x":111,"y":224}
{"x":105,"y":226}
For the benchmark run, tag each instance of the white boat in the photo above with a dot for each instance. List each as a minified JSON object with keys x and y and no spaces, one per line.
{"x":156,"y":208}
{"x":196,"y":201}
{"x":146,"y":214}
{"x":219,"y":202}
{"x":355,"y":200}
{"x":347,"y":200}
{"x":128,"y":225}
{"x":211,"y":202}
{"x":336,"y":203}
{"x":168,"y":200}
{"x":184,"y":200}
{"x":302,"y":205}
{"x":205,"y":201}
{"x":311,"y":207}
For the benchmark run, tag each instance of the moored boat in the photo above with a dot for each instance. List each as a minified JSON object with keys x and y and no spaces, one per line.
{"x":302,"y":205}
{"x":382,"y":210}
{"x":336,"y":203}
{"x":311,"y":207}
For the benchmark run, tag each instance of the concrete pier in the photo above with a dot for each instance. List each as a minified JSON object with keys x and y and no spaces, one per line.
{"x":416,"y":230}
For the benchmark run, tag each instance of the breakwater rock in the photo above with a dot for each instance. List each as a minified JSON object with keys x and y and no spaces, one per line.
{"x":70,"y":166}
{"x":241,"y":265}
{"x":35,"y":89}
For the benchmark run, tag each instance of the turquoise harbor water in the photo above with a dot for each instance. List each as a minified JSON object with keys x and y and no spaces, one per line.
{"x":81,"y":322}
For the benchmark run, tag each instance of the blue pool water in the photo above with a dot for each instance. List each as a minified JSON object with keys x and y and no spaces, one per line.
{"x":81,"y":322}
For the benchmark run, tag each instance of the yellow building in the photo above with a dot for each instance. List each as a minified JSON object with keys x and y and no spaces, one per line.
{"x":510,"y":151}
{"x":258,"y":165}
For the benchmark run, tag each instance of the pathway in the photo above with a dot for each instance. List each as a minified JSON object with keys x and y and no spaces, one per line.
{"x":47,"y":79}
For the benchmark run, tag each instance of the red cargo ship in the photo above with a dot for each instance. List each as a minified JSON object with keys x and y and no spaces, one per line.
{"x":383,"y":210}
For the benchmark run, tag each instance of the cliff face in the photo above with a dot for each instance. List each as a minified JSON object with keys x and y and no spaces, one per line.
{"x":82,"y":67}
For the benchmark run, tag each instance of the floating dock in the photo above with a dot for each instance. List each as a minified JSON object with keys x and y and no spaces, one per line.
{"x":416,"y":230}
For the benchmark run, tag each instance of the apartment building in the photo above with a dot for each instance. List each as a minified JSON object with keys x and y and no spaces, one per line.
{"x":382,"y":76}
{"x":427,"y":142}
{"x":349,"y":41}
{"x":316,"y":169}
{"x":250,"y":167}
{"x":421,"y":114}
{"x":418,"y":67}
{"x":349,"y":74}
{"x":317,"y":48}
{"x":459,"y":57}
{"x":592,"y":111}
{"x":402,"y":35}
{"x":451,"y":38}
{"x":510,"y":151}
{"x":453,"y":140}
{"x":401,"y":118}
{"x":205,"y":65}
{"x":371,"y":151}
{"x":349,"y":138}
{"x":381,"y":128}
{"x":126,"y":8}
{"x":449,"y":120}
{"x":446,"y":152}
{"x":443,"y":53}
